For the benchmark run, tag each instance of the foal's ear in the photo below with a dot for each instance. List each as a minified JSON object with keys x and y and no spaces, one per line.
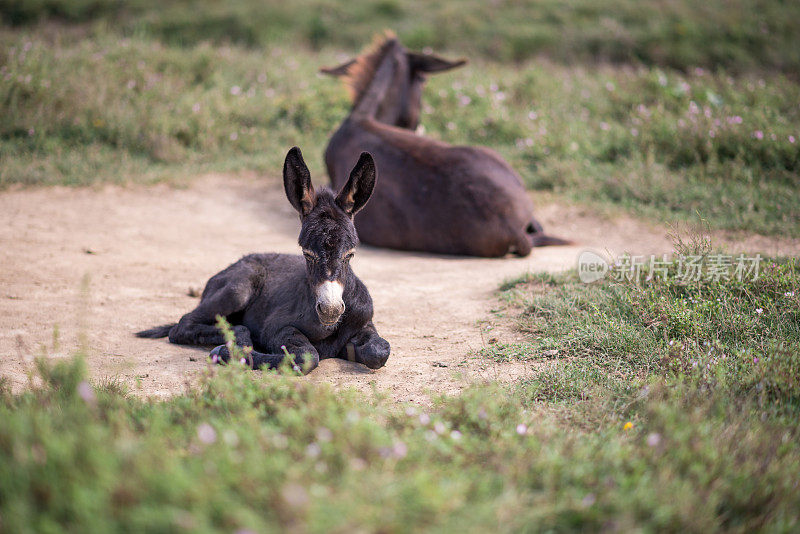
{"x":297,"y":182}
{"x":432,"y":63}
{"x":341,"y":70}
{"x":359,"y":186}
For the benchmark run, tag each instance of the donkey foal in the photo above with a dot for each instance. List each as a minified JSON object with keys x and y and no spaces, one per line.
{"x":314,"y":305}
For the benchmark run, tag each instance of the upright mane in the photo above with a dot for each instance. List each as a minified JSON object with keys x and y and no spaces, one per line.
{"x":362,"y":70}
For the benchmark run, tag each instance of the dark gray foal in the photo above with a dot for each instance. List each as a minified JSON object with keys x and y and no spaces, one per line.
{"x":313,"y":305}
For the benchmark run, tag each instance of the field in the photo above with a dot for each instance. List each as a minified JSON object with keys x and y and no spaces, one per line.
{"x":139,"y":153}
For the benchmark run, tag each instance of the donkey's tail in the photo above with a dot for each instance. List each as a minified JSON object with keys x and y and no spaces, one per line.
{"x":544,"y":240}
{"x":156,"y":331}
{"x":540,"y":239}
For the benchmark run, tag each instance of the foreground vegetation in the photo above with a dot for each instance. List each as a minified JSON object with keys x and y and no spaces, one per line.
{"x":658,"y":407}
{"x":132,"y":91}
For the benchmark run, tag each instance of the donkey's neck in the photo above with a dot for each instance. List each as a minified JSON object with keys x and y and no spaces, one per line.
{"x":366,"y":107}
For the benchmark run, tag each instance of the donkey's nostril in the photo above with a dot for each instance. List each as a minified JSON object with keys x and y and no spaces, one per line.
{"x":329,"y":313}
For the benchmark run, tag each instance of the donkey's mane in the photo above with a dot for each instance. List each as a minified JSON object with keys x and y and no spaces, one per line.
{"x":360,"y":73}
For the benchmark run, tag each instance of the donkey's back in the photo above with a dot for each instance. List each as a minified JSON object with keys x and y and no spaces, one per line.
{"x":436,"y":197}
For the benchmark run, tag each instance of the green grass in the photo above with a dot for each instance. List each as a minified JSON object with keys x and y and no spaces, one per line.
{"x":695,"y":113}
{"x":635,"y":423}
{"x":659,"y":406}
{"x":639,"y":139}
{"x":734,"y":34}
{"x":741,"y":337}
{"x":151,"y":111}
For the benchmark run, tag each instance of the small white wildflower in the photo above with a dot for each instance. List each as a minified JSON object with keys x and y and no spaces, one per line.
{"x":206,"y":434}
{"x":294,"y":495}
{"x":313,"y":450}
{"x":759,"y":311}
{"x":358,"y":464}
{"x":236,"y":90}
{"x":400,"y":449}
{"x":323,"y":434}
{"x":522,"y":429}
{"x":86,"y":392}
{"x":455,"y":435}
{"x":653,"y":439}
{"x":424,"y":419}
{"x":352,"y":417}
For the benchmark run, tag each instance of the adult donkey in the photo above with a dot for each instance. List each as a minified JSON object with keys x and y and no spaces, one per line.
{"x":433,"y":197}
{"x":313,"y":305}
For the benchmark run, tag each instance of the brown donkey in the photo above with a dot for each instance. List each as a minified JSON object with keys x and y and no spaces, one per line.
{"x":433,"y":197}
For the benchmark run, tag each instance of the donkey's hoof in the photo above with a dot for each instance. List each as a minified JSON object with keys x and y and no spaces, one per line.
{"x":219,"y":355}
{"x":376,"y":353}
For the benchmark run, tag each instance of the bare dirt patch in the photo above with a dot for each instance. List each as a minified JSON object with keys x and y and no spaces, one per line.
{"x":142,"y":252}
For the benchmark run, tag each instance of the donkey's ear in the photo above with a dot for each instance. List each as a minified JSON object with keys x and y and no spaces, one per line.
{"x":359,"y":186}
{"x":297,"y":183}
{"x":432,"y":63}
{"x":341,"y":70}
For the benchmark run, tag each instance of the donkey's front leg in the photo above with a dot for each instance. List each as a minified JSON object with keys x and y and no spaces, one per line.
{"x":366,"y":347}
{"x":304,"y":356}
{"x":304,"y":353}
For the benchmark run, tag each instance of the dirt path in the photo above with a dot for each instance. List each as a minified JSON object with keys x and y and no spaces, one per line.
{"x":142,"y":248}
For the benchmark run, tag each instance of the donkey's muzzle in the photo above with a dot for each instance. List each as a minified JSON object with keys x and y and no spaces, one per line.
{"x":330,"y":305}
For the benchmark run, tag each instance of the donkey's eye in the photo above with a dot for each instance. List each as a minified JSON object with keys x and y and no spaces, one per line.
{"x":348,"y":255}
{"x":310,"y":256}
